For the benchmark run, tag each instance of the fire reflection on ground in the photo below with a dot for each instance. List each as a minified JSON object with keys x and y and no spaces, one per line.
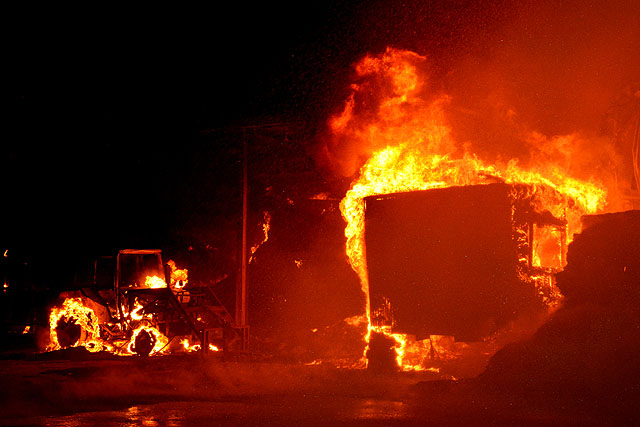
{"x":298,"y":410}
{"x":169,"y":391}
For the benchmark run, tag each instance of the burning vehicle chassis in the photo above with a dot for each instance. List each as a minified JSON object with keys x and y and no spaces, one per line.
{"x":148,"y":305}
{"x":463,"y":262}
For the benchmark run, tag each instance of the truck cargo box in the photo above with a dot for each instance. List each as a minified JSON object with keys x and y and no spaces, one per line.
{"x":447,"y":260}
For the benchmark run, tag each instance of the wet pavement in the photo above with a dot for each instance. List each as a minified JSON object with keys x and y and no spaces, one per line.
{"x":275,"y":411}
{"x":195,"y":391}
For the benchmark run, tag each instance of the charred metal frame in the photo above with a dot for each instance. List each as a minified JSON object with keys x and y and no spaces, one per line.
{"x":175,"y":313}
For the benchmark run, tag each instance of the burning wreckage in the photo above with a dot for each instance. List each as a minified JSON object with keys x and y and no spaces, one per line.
{"x":449,"y":248}
{"x":445,"y":245}
{"x":142,"y":306}
{"x":461,"y":261}
{"x":452,"y":252}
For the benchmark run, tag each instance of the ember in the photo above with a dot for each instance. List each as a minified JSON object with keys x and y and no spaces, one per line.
{"x":196,"y":347}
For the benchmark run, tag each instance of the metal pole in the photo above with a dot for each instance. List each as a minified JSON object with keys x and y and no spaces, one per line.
{"x":241,"y":294}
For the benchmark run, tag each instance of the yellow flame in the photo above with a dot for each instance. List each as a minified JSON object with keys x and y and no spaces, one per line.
{"x":135,"y":313}
{"x":196,"y":347}
{"x":155,"y":282}
{"x":179,"y":278}
{"x":266,"y":226}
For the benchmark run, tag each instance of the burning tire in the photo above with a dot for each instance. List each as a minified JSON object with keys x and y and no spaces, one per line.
{"x":68,"y":332}
{"x":381,"y":353}
{"x":143,"y":343}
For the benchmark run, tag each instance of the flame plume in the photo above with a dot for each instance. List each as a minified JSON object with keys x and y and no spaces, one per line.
{"x":390,"y":119}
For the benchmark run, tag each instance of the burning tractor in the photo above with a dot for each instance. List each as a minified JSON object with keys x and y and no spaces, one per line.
{"x":142,"y":306}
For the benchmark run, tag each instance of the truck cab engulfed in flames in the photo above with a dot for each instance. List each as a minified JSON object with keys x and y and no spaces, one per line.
{"x":463,"y":261}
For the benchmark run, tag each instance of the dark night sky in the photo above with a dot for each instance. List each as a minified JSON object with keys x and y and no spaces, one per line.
{"x":132,"y":98}
{"x":109,"y":154}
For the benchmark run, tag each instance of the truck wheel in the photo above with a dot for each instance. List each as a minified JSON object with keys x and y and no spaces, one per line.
{"x":144,"y":343}
{"x":68,"y":332}
{"x":381,"y":354}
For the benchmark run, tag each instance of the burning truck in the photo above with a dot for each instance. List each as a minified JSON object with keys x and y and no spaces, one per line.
{"x":142,"y":306}
{"x":449,"y":248}
{"x":451,"y":251}
{"x":463,"y":262}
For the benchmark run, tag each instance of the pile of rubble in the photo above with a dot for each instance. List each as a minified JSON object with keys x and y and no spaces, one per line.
{"x":588,"y":354}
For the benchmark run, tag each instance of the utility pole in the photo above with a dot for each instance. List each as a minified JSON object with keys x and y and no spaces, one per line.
{"x":241,"y":290}
{"x":281,"y":129}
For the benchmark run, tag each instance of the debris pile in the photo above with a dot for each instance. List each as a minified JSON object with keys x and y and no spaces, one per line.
{"x":588,"y":354}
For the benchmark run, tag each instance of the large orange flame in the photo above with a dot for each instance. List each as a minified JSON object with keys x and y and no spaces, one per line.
{"x":403,"y":132}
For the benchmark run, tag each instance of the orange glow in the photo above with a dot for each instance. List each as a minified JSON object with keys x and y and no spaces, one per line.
{"x":409,"y":147}
{"x":546,"y":252}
